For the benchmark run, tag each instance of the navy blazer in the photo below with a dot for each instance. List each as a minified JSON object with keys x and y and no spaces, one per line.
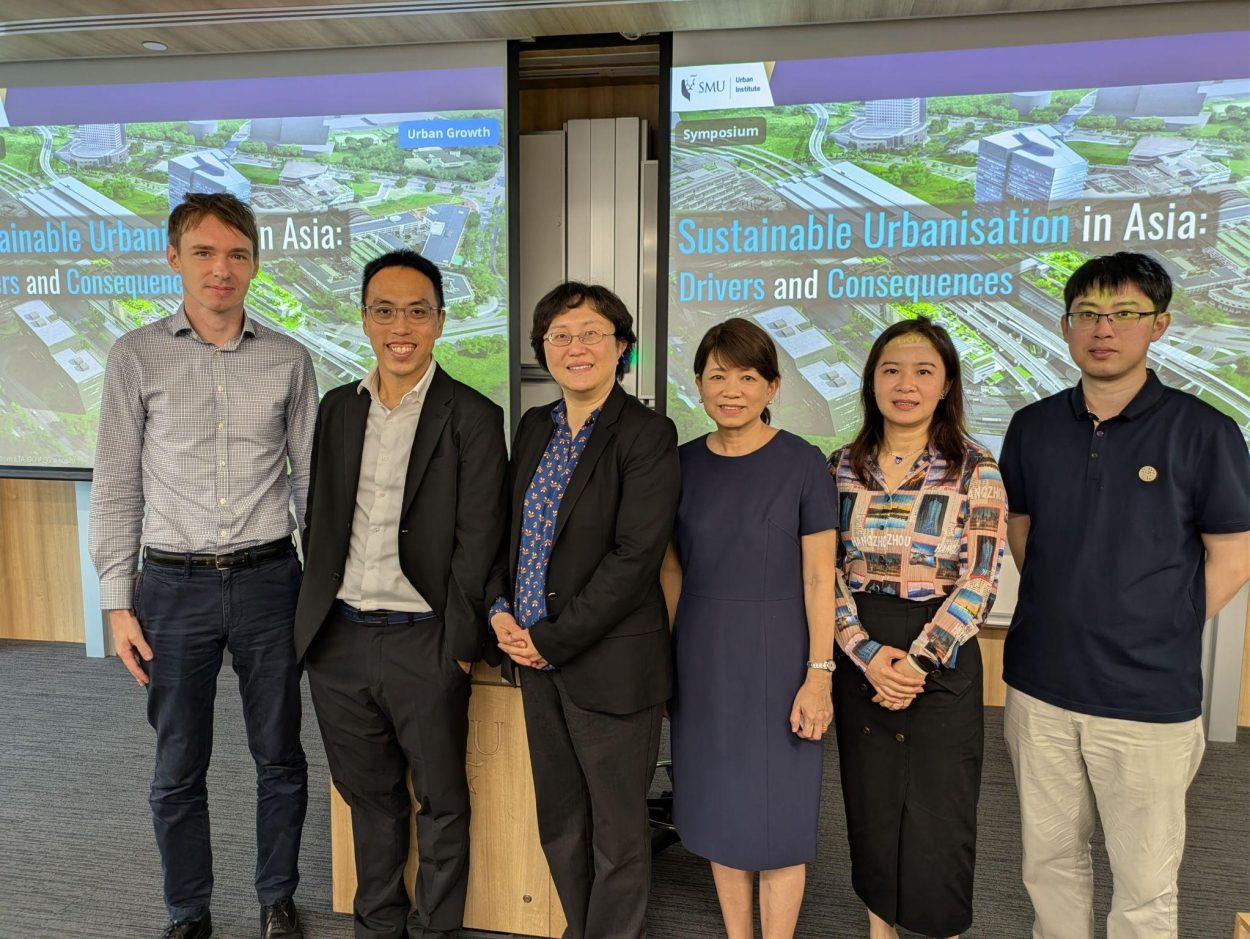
{"x":606,"y":628}
{"x":453,"y":508}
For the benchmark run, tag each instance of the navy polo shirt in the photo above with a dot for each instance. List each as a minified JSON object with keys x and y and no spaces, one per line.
{"x":1112,"y":596}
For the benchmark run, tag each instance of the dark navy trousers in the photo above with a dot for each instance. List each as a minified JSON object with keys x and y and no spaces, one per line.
{"x":189,"y":616}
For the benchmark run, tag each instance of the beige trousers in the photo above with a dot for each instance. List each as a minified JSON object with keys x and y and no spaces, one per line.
{"x":1136,"y":774}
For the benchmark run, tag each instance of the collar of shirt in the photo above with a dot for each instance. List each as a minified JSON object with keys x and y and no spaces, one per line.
{"x":922,"y":464}
{"x":370,"y":383}
{"x":1143,"y":402}
{"x":560,"y":417}
{"x":179,"y":324}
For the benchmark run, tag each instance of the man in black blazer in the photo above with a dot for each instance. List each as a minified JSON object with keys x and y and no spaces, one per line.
{"x":405,"y":513}
{"x":594,"y":488}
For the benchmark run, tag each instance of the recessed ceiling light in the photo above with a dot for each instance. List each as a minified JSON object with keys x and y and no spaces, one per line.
{"x":153,"y":46}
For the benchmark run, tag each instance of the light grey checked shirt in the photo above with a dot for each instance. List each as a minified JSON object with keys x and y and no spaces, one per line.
{"x":193,"y":446}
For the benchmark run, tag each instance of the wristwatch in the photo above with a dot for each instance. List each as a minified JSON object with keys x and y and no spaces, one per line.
{"x":924,"y":663}
{"x":825,"y":666}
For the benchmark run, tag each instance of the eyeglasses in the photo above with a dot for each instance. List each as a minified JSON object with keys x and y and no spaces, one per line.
{"x":589,"y":337}
{"x":384,"y":313}
{"x":1088,"y":319}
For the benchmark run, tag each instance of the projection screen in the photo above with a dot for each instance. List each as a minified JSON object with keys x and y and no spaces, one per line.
{"x":340,"y":161}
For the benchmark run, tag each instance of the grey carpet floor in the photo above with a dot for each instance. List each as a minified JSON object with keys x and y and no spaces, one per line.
{"x":77,"y":860}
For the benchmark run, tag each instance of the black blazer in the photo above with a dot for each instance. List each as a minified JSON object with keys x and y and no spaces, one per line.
{"x":606,"y":627}
{"x":453,"y":509}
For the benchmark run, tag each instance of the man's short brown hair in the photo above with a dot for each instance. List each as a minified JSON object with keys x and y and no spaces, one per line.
{"x":227,"y":209}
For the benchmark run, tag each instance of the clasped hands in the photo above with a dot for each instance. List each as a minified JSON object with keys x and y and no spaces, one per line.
{"x":897,"y":682}
{"x":515,"y":641}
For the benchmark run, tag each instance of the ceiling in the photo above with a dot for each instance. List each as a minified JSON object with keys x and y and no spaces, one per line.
{"x":89,"y":29}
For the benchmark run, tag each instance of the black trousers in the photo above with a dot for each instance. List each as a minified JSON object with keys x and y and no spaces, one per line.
{"x":911,"y":779}
{"x":591,"y":776}
{"x":189,"y":615}
{"x":389,"y":701}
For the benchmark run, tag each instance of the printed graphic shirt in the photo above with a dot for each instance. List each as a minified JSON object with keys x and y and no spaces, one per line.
{"x":930,"y":537}
{"x":540,"y":513}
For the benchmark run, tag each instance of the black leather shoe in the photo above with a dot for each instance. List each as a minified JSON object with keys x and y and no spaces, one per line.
{"x":280,"y":921}
{"x":201,"y":928}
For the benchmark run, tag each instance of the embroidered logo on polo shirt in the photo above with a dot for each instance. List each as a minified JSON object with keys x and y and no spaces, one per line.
{"x":1147,"y":474}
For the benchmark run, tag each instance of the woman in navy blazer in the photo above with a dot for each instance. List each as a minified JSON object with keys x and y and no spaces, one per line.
{"x":579,"y":612}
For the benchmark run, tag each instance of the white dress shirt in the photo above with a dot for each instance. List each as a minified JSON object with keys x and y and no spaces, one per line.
{"x":373,"y":578}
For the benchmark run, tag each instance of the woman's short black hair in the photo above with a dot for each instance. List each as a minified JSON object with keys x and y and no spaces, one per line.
{"x":739,"y":343}
{"x":569,"y":296}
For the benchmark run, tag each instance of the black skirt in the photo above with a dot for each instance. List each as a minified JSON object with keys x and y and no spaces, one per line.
{"x":911,"y":779}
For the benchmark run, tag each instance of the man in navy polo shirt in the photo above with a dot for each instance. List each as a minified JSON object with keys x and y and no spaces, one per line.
{"x":1130,"y":521}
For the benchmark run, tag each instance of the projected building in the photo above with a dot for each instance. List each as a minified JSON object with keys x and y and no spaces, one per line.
{"x":77,"y":380}
{"x":301,"y":131}
{"x":839,"y":385}
{"x":852,"y":191}
{"x":446,"y":229}
{"x":96,"y":145}
{"x":1029,"y":164}
{"x":201,"y":129}
{"x":1179,"y":104}
{"x":887,"y":124}
{"x":203,"y":171}
{"x":1026,"y":101}
{"x":830,"y":391}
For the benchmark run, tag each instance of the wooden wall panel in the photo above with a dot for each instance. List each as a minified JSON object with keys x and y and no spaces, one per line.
{"x":548,"y":108}
{"x":990,"y":639}
{"x":1243,"y":712}
{"x":510,"y":889}
{"x":40,"y":585}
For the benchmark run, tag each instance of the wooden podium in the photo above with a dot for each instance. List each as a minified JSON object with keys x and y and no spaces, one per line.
{"x":510,"y":888}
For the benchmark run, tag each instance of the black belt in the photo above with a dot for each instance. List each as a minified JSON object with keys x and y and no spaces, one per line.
{"x":380,"y":617}
{"x":244,"y":557}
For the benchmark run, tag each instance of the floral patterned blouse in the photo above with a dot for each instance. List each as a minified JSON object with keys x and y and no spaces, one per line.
{"x":540,"y":513}
{"x":929,"y":538}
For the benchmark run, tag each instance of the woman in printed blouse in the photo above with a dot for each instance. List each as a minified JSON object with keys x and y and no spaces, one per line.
{"x":922,"y":529}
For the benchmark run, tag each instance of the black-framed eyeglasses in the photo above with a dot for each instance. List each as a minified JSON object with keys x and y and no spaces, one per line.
{"x":587,"y":337}
{"x":418,"y":313}
{"x":1088,"y":319}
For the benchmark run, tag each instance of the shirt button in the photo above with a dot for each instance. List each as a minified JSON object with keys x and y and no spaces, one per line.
{"x":224,"y":533}
{"x":221,"y":462}
{"x":899,"y":737}
{"x":867,"y":729}
{"x":1099,"y":433}
{"x":221,"y":388}
{"x":221,"y":425}
{"x":221,"y":501}
{"x":1093,"y":456}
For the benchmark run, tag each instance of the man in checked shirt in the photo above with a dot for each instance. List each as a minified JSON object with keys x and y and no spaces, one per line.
{"x":201,"y":414}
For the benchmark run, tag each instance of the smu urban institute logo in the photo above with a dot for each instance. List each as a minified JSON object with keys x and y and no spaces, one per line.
{"x":721,"y":86}
{"x":691,"y":86}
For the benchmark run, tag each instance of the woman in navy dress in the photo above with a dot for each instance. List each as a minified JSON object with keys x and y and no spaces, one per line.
{"x":753,"y":565}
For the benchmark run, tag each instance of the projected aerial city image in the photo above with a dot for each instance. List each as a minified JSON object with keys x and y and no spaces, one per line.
{"x":82,"y":245}
{"x":827,"y":221}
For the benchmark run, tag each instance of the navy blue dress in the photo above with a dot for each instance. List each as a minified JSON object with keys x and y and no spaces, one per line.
{"x":746,"y":789}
